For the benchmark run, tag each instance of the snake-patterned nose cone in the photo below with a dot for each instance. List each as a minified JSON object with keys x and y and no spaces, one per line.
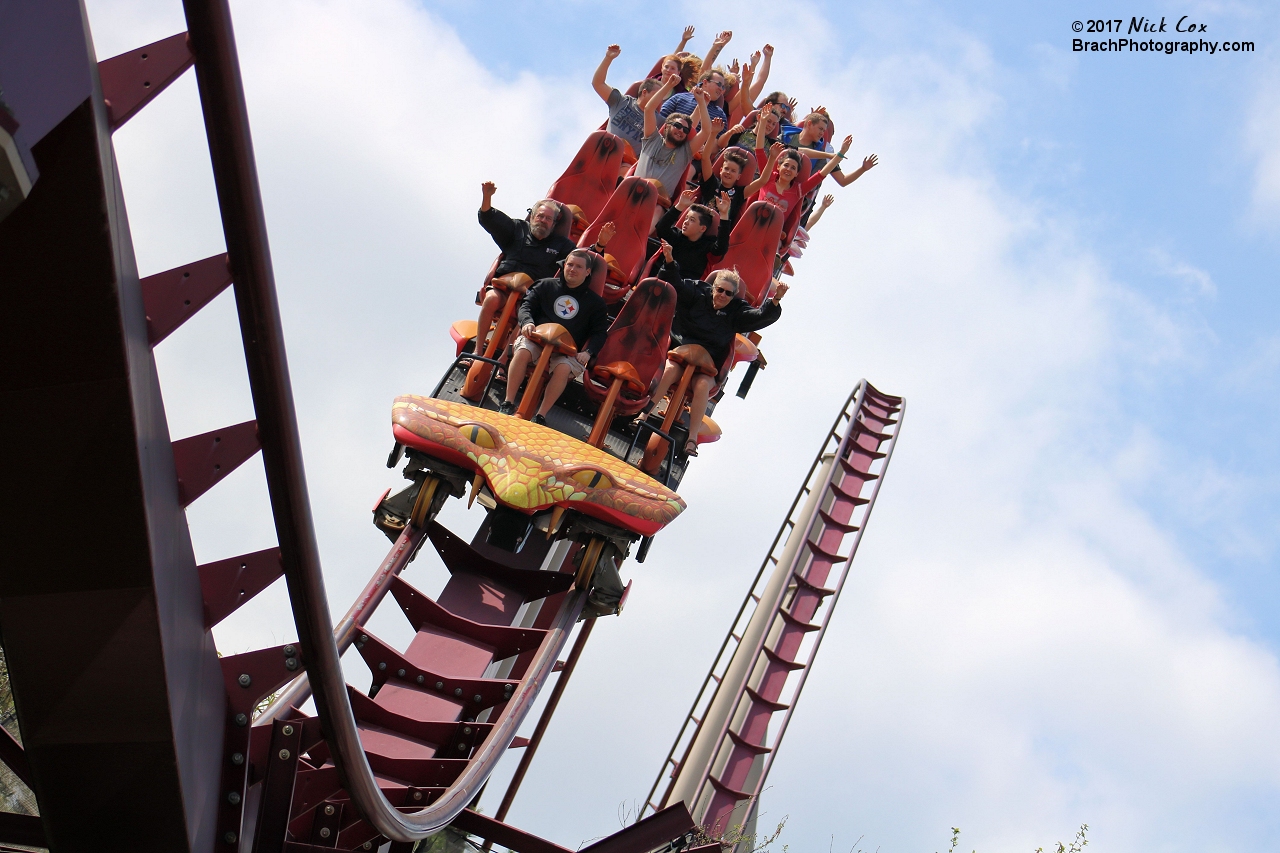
{"x":532,"y":467}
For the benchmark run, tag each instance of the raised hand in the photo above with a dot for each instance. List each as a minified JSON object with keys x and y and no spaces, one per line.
{"x":869,"y":161}
{"x":846,"y":145}
{"x":736,"y":129}
{"x":723,"y":38}
{"x":612,"y":51}
{"x":606,"y":233}
{"x":792,"y":103}
{"x":755,"y":58}
{"x":828,"y":200}
{"x":775,"y":150}
{"x":687,"y":198}
{"x":488,"y":188}
{"x":688,"y":35}
{"x":718,"y":124}
{"x":724,"y":204}
{"x":700,"y":95}
{"x":780,"y":289}
{"x":672,"y":80}
{"x":666,"y":251}
{"x":733,"y":67}
{"x":768,"y":51}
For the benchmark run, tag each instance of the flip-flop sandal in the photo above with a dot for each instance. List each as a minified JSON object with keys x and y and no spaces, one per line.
{"x":691,"y":448}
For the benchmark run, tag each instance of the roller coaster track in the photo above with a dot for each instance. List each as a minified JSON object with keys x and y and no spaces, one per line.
{"x":117,"y":682}
{"x":191,"y":767}
{"x":730,"y":737}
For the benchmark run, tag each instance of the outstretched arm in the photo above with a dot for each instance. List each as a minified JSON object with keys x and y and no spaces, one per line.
{"x":868,"y":163}
{"x":709,"y":60}
{"x":742,"y":101}
{"x":827,"y":201}
{"x":775,"y":151}
{"x":501,"y":228}
{"x":703,"y":119}
{"x":655,"y":101}
{"x":763,"y":73}
{"x":834,"y":161}
{"x":684,"y":39}
{"x":598,"y":83}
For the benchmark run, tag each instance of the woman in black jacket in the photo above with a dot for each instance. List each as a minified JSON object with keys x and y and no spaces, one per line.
{"x":709,"y":314}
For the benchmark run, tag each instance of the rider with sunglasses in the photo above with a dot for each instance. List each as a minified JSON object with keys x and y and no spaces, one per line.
{"x":708,"y":313}
{"x":666,"y":154}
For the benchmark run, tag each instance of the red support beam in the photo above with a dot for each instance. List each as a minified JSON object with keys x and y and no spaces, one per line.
{"x":131,"y":80}
{"x":203,"y":460}
{"x":227,"y":584}
{"x":174,"y":296}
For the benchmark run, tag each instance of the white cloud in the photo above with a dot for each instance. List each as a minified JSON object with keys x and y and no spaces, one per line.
{"x":1262,"y":140}
{"x":1021,"y":649}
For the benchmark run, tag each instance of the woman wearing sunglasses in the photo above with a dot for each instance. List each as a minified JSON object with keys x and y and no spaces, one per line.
{"x":708,"y":313}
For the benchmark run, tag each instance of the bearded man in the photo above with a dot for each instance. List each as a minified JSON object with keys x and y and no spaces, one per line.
{"x":529,"y":246}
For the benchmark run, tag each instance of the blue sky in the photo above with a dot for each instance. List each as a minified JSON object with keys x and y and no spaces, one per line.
{"x":1064,"y":609}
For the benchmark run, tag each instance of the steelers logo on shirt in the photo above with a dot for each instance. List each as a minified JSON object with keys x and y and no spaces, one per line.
{"x":566,"y":307}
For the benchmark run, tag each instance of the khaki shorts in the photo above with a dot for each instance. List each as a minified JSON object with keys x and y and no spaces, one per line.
{"x":575,"y":367}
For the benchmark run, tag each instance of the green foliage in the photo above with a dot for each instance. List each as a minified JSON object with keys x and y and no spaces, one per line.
{"x":1077,"y":845}
{"x":14,"y":795}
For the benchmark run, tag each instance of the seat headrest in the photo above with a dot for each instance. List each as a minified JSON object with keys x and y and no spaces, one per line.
{"x":564,"y":224}
{"x":599,"y":272}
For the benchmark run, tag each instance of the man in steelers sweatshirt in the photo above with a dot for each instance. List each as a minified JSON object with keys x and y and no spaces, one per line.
{"x":566,"y":299}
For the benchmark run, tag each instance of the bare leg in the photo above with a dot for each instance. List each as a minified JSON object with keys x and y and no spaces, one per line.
{"x":698,"y":404}
{"x":488,"y":310}
{"x":669,"y":377}
{"x":555,"y":387}
{"x":515,"y":375}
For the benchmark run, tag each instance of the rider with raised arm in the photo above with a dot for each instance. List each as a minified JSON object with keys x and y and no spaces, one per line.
{"x":810,"y":139}
{"x":708,"y":314}
{"x":567,"y":299}
{"x":666,"y":154}
{"x":715,"y":85}
{"x":690,"y":243}
{"x":784,"y":189}
{"x":768,"y":125}
{"x":529,"y":246}
{"x":626,"y":113}
{"x":723,"y":184}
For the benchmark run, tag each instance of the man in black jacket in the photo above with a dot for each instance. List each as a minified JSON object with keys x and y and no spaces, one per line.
{"x":709,"y":314}
{"x":566,"y":299}
{"x":528,"y":246}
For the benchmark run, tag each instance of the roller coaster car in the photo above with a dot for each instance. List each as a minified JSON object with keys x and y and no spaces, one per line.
{"x":592,"y":176}
{"x":630,"y":209}
{"x":753,"y":250}
{"x":632,"y":357}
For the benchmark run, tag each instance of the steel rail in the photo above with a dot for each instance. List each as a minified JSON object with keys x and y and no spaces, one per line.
{"x":704,"y":774}
{"x":344,"y":633}
{"x":535,"y":739}
{"x":773,"y":547}
{"x":244,"y":227}
{"x":826,"y":620}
